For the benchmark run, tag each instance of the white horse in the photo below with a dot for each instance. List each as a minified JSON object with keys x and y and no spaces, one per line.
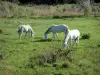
{"x":56,"y":29}
{"x":26,"y":29}
{"x":72,"y":35}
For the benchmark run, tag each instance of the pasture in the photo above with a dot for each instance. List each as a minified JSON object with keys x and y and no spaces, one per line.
{"x":40,"y":57}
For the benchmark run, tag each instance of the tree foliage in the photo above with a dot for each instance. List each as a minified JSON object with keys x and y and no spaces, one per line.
{"x":85,"y":5}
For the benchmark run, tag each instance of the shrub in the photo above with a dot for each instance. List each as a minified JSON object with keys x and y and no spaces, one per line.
{"x":48,"y":57}
{"x":85,"y":36}
{"x":58,"y":73}
{"x":56,"y":17}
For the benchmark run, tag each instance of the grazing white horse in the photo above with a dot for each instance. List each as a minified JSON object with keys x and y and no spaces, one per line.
{"x":72,"y":35}
{"x":56,"y":29}
{"x":26,"y":29}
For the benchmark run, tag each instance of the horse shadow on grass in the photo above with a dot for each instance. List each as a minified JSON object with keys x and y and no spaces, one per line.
{"x":37,"y":39}
{"x":43,"y":40}
{"x":40,"y":39}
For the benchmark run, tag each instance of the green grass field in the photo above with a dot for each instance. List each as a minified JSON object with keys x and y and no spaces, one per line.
{"x":39,"y":57}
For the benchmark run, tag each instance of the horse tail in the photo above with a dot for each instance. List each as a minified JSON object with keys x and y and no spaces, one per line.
{"x":66,"y":28}
{"x":48,"y":30}
{"x":66,"y":31}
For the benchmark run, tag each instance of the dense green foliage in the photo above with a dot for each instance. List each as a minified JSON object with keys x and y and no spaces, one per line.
{"x":26,"y":57}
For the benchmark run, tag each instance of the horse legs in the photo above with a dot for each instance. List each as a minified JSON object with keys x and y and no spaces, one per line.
{"x":57,"y":36}
{"x":54,"y":34}
{"x":20,"y":36}
{"x":77,"y":42}
{"x":29,"y":34}
{"x":45,"y":36}
{"x":25,"y":34}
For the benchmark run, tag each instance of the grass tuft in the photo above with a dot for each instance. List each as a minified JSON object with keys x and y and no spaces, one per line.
{"x":1,"y":31}
{"x":65,"y":65}
{"x":1,"y":57}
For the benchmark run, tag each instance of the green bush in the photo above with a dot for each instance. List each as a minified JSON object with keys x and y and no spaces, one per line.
{"x":85,"y":36}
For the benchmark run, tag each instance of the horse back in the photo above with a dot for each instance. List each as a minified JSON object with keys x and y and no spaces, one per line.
{"x":74,"y":33}
{"x":59,"y":28}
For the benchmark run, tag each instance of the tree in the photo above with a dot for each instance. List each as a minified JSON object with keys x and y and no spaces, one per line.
{"x":85,"y":5}
{"x":14,"y":1}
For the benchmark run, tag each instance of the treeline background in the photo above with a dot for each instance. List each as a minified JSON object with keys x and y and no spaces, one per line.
{"x":48,"y":8}
{"x":50,"y":2}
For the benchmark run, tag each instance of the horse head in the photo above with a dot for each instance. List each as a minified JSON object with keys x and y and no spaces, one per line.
{"x":45,"y":36}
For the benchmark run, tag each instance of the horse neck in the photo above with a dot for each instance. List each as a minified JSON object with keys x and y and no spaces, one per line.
{"x":31,"y":31}
{"x":48,"y":31}
{"x":23,"y":29}
{"x":20,"y":30}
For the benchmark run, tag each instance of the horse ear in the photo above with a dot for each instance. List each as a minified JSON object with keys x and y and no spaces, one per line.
{"x":67,"y":27}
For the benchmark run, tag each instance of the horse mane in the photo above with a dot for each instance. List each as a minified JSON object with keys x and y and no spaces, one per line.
{"x":19,"y":29}
{"x":48,"y":30}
